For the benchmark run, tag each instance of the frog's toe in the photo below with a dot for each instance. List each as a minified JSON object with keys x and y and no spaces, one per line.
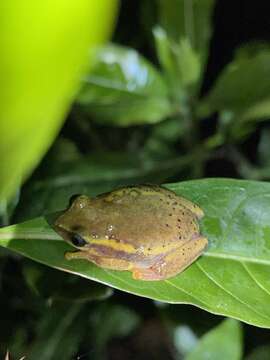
{"x":70,"y":255}
{"x":145,"y":274}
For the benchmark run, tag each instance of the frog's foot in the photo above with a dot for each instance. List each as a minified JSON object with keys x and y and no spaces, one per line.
{"x":104,"y":262}
{"x":70,"y":255}
{"x":146,"y":274}
{"x":174,"y":262}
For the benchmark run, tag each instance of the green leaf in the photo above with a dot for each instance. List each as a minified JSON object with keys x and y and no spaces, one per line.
{"x":58,"y":333}
{"x":185,"y":340}
{"x":44,"y":46}
{"x":180,"y":62}
{"x":112,"y":321}
{"x":242,"y":89}
{"x":190,"y":19}
{"x":231,"y":278}
{"x":93,"y":174}
{"x":225,"y":339}
{"x":59,"y":286}
{"x":248,"y":169}
{"x":124,"y":89}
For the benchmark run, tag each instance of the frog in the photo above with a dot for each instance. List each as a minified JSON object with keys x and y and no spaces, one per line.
{"x":146,"y":229}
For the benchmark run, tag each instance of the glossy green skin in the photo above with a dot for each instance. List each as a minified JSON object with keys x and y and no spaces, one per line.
{"x":147,"y":230}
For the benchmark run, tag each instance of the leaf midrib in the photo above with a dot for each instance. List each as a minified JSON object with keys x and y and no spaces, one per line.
{"x":51,"y":236}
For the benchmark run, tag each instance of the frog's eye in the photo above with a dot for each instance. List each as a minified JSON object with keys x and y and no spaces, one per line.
{"x":72,"y":198}
{"x":77,"y":240}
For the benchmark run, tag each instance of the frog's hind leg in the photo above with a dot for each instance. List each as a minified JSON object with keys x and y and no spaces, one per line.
{"x":173,"y":263}
{"x":194,"y":208}
{"x":112,"y":264}
{"x":104,"y":262}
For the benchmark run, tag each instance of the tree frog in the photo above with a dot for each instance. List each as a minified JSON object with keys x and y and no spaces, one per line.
{"x":145,"y":229}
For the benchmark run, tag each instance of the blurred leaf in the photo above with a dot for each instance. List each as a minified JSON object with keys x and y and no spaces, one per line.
{"x":43,"y":54}
{"x":112,"y":321}
{"x":56,"y":285}
{"x":58,"y":334}
{"x":242,"y":89}
{"x":170,"y":130}
{"x":189,"y":19}
{"x":231,"y":278}
{"x":7,"y":208}
{"x":188,"y":63}
{"x":259,"y":353}
{"x":225,"y":339}
{"x":180,"y":62}
{"x":246,"y":168}
{"x":124,"y":89}
{"x":163,"y":136}
{"x":251,"y":48}
{"x":91,"y":175}
{"x":185,"y":340}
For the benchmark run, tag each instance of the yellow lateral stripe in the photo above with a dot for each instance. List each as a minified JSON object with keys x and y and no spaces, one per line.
{"x":111,"y":243}
{"x":128,"y":248}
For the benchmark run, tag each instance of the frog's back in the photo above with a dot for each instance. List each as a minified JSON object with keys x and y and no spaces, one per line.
{"x":147,"y":216}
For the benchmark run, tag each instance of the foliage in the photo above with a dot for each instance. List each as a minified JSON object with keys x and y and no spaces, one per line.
{"x":41,"y":65}
{"x":225,"y":339}
{"x":147,"y":113}
{"x":236,"y":223}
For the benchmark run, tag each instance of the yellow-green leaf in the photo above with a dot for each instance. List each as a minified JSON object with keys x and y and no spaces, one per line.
{"x":44,"y":49}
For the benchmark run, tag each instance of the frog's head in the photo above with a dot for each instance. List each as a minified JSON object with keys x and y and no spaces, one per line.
{"x":70,"y":226}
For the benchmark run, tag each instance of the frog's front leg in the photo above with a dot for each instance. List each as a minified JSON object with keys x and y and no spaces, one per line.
{"x":101,"y":261}
{"x":71,"y":255}
{"x":174,"y":262}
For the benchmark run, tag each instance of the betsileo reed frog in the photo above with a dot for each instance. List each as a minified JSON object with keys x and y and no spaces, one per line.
{"x":145,"y":229}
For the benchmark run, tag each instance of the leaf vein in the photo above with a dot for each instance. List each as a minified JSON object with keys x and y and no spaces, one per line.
{"x":231,"y":294}
{"x":239,"y":258}
{"x":253,"y":277}
{"x":187,"y":293}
